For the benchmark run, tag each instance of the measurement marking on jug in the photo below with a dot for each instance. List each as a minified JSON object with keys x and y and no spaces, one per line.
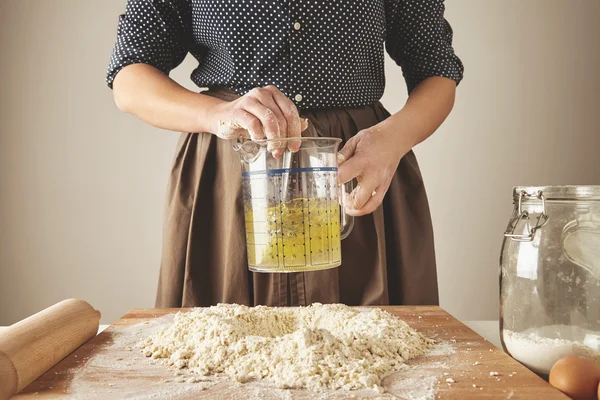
{"x":310,"y":233}
{"x":291,"y":220}
{"x":303,"y":221}
{"x":329,"y":232}
{"x":281,"y":238}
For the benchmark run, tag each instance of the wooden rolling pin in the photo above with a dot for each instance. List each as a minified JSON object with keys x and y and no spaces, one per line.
{"x":32,"y":346}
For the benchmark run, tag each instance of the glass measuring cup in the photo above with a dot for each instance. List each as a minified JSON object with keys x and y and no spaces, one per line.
{"x":293,"y":205}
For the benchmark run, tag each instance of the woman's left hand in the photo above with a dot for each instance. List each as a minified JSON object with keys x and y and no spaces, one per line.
{"x":372,"y":157}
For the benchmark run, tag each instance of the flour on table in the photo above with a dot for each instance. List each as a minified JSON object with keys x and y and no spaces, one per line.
{"x":316,"y":347}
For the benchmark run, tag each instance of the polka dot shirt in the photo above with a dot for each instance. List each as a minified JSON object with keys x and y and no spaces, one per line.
{"x":320,"y":54}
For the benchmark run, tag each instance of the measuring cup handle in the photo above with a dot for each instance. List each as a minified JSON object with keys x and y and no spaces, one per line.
{"x":346,"y":221}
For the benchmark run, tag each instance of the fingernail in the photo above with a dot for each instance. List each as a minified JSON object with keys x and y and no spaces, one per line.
{"x":340,"y":158}
{"x":254,"y":135}
{"x":303,"y":123}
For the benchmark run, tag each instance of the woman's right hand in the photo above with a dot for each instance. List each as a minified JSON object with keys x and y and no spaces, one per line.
{"x":262,"y":113}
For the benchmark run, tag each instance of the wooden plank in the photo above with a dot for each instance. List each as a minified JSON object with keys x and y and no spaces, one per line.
{"x":469,"y":366}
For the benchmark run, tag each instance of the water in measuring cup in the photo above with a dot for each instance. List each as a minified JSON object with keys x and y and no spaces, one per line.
{"x":301,"y":234}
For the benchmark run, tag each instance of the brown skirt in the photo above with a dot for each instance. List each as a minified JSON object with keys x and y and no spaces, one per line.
{"x":387,"y":259}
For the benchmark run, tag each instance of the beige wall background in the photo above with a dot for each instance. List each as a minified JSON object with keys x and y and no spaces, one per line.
{"x":82,"y":185}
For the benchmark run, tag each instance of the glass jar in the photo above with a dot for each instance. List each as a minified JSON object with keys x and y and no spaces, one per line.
{"x":550,"y":276}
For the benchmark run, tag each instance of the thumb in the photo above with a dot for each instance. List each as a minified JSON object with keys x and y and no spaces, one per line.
{"x":350,"y":166}
{"x":347,"y":151}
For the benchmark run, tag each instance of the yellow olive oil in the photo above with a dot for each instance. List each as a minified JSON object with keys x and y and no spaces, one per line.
{"x":294,"y":236}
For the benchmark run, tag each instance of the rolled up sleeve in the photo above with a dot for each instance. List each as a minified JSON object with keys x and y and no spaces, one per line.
{"x":419,"y":40}
{"x":152,"y":32}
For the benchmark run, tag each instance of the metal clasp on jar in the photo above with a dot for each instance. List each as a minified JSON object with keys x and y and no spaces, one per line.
{"x":524,"y":215}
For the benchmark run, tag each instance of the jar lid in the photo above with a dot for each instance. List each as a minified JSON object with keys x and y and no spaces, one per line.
{"x":568,"y":192}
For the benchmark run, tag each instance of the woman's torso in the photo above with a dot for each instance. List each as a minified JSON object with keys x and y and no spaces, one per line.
{"x":319,"y":53}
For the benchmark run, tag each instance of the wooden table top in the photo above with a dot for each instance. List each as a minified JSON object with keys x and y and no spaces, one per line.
{"x":84,"y":374}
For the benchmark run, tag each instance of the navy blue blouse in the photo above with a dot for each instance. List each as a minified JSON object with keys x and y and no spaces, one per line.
{"x":321,"y":54}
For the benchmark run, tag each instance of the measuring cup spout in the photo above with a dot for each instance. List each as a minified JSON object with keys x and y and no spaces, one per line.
{"x":249,"y":150}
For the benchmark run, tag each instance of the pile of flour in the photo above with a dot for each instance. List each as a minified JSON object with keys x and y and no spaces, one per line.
{"x":315,"y":347}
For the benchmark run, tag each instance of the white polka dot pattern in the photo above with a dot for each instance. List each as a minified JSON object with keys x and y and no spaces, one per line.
{"x":320,"y":54}
{"x":419,"y":39}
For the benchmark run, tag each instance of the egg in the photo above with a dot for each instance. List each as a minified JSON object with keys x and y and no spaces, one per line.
{"x":577,"y":377}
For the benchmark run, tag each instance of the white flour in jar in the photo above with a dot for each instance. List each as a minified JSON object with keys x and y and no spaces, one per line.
{"x":539,"y":348}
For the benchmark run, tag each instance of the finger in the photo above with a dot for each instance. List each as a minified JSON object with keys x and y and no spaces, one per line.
{"x":249,"y":123}
{"x":294,"y":145}
{"x":273,"y":103}
{"x":374,"y":201}
{"x":265,"y":115}
{"x":231,"y":130}
{"x":266,"y":98}
{"x":350,"y":169}
{"x":362,"y":193}
{"x":294,"y":123}
{"x":347,"y":151}
{"x":268,"y":120}
{"x":283,"y":107}
{"x":303,"y":124}
{"x":371,"y":205}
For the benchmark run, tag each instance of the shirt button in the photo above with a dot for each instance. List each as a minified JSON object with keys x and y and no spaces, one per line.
{"x":297,"y":26}
{"x":298,"y":97}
